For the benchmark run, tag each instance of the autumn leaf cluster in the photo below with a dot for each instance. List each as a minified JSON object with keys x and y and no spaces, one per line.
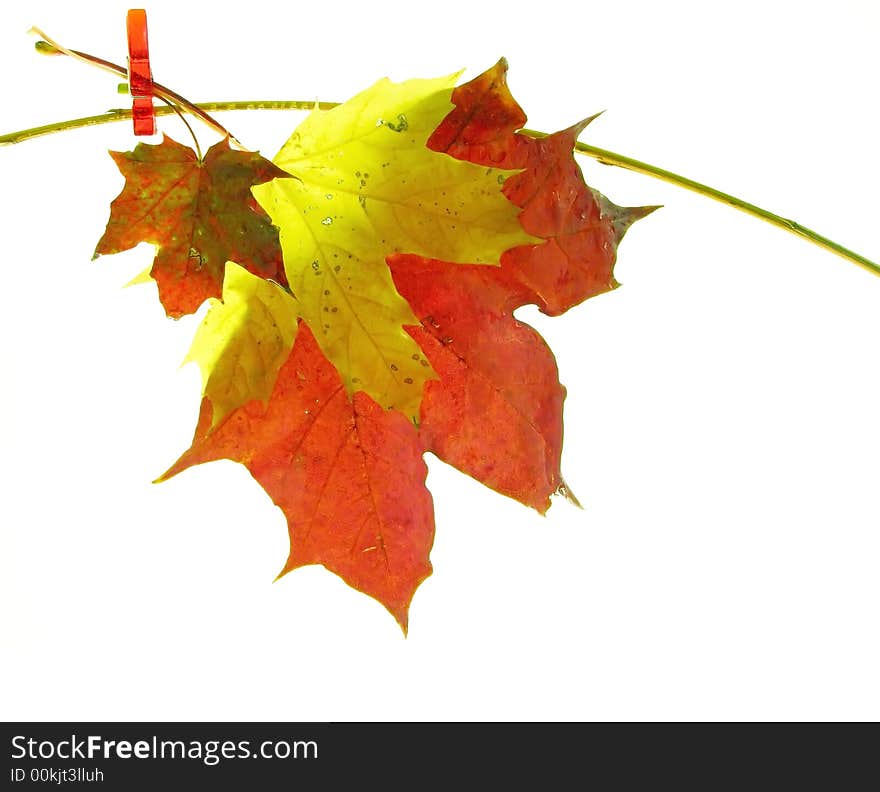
{"x":362,"y":289}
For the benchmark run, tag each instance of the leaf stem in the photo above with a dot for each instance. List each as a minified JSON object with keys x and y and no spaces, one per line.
{"x":186,"y":123}
{"x":602,"y":155}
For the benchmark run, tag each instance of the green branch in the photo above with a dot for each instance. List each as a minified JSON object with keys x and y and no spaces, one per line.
{"x":611,"y":158}
{"x":119,"y":114}
{"x":602,"y":155}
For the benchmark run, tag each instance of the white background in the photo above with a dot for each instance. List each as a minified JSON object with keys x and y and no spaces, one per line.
{"x":722,"y":422}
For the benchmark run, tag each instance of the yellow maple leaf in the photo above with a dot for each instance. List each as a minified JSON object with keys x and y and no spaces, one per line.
{"x":367,"y":186}
{"x":243,"y":341}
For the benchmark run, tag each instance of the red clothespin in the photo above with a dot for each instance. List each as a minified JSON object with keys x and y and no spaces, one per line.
{"x":140,"y":77}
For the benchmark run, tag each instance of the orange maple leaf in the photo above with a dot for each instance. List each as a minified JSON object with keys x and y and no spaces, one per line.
{"x":348,"y":475}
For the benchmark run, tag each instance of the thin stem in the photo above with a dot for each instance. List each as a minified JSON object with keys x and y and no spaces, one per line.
{"x":186,"y":123}
{"x":170,"y":97}
{"x":602,"y":155}
{"x":611,"y":158}
{"x":121,"y":114}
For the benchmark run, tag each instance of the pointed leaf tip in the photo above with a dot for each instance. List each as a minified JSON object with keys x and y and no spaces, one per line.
{"x":582,"y":125}
{"x":627,"y":215}
{"x":622,"y":217}
{"x":565,"y":491}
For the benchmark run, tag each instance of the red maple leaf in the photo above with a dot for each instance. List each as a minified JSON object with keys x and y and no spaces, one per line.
{"x":496,"y":411}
